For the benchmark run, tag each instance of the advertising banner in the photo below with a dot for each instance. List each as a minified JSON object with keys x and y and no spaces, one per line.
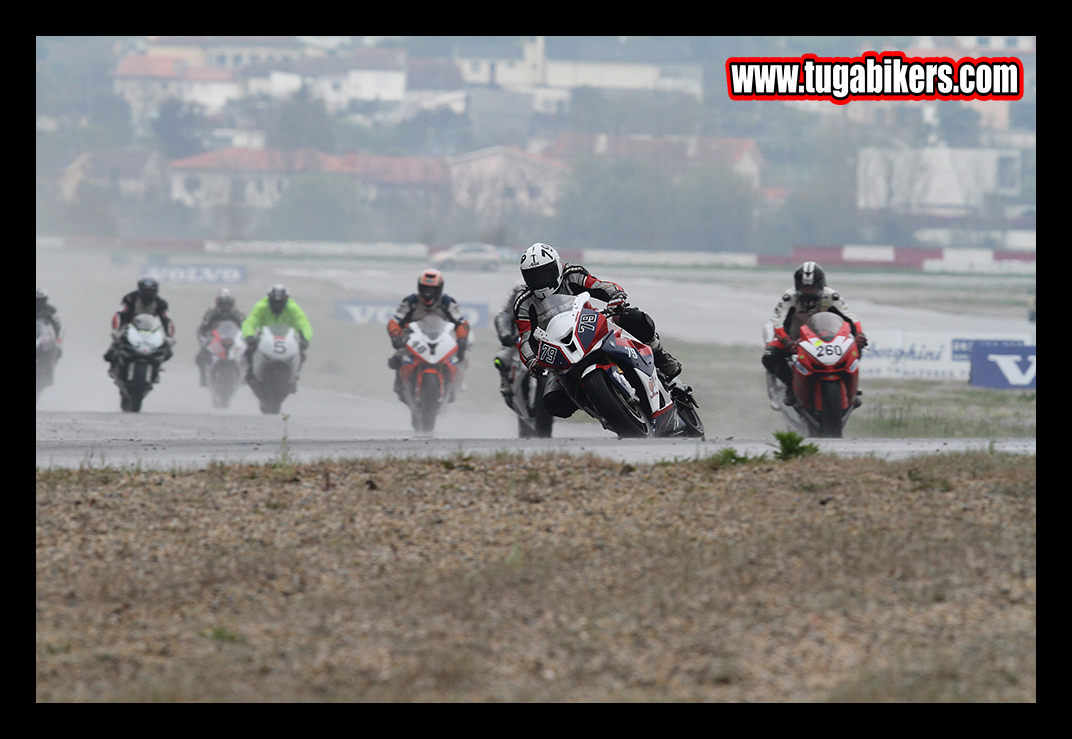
{"x":927,"y":354}
{"x":197,"y":274}
{"x":998,"y":365}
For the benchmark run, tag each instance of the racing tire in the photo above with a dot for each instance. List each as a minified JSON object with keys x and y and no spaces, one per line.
{"x":137,"y":387}
{"x":428,"y":402}
{"x":694,"y":427}
{"x":831,"y":415}
{"x":544,"y":420}
{"x":224,"y":383}
{"x":274,"y":388}
{"x":623,"y":417}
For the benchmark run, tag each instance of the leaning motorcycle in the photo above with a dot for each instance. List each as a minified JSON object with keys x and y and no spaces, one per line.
{"x":48,"y":353}
{"x":533,"y":418}
{"x":226,"y":349}
{"x":428,"y":370}
{"x":141,"y":348}
{"x":609,"y":373}
{"x":826,"y":376}
{"x":273,"y":373}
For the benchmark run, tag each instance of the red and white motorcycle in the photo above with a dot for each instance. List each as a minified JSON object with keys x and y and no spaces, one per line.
{"x":826,"y":377}
{"x":226,"y":369}
{"x":609,"y":373}
{"x":429,"y":370}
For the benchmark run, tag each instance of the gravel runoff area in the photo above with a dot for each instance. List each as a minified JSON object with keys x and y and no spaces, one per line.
{"x":554,"y":578}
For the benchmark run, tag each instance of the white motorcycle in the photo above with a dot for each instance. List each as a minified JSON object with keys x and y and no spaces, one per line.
{"x":429,"y":370}
{"x":609,"y":373}
{"x":141,"y":349}
{"x":226,"y":368}
{"x":48,"y":353}
{"x":274,"y":371}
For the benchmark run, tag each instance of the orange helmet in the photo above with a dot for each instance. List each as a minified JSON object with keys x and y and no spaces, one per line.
{"x":430,"y":286}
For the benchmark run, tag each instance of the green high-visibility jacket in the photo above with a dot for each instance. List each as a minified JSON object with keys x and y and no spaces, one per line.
{"x":262,"y":316}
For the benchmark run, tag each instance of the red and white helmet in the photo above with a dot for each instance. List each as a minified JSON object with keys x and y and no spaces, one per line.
{"x":430,"y":286}
{"x":542,"y":269}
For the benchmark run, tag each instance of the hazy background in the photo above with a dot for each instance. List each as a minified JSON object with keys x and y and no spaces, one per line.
{"x":632,"y":143}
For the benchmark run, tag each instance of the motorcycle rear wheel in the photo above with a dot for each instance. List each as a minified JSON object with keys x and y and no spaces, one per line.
{"x":626,"y":420}
{"x":831,"y":414}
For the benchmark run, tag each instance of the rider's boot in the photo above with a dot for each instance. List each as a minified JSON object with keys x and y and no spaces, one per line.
{"x":505,"y":388}
{"x":664,"y":361}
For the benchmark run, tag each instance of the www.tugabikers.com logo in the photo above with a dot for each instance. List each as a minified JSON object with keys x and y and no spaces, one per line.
{"x":872,"y":76}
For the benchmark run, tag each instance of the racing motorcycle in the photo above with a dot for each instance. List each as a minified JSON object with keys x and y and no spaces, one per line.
{"x":227,"y":348}
{"x":141,"y":348}
{"x":533,"y":418}
{"x":48,"y":353}
{"x":609,"y":373}
{"x":273,"y":374}
{"x":428,"y":370}
{"x":826,"y":374}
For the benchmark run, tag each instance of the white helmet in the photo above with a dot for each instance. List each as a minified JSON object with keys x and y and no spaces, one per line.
{"x":542,"y":269}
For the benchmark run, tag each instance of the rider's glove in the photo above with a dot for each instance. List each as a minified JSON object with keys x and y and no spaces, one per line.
{"x":536,"y":370}
{"x":507,"y":340}
{"x":791,"y":345}
{"x":617,"y":305}
{"x":398,"y":342}
{"x":861,"y":340}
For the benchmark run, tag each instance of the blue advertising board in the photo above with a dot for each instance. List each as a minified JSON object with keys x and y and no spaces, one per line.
{"x":998,"y":364}
{"x":209,"y":274}
{"x":380,"y":312}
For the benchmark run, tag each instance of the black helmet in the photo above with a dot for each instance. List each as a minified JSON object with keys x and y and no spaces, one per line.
{"x":810,"y":281}
{"x":225,"y":300}
{"x":42,"y":297}
{"x":277,"y":298}
{"x":148,"y":288}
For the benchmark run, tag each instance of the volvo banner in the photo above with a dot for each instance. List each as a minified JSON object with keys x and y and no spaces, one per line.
{"x":197,"y":273}
{"x":999,"y":365}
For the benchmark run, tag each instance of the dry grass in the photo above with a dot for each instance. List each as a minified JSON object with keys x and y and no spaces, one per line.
{"x":541,"y":579}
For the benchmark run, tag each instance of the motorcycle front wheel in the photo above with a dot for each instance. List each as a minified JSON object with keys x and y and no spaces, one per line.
{"x":831,"y":414}
{"x":428,"y":403}
{"x":623,"y":417}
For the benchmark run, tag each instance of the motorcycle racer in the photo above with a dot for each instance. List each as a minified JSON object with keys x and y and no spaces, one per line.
{"x":146,"y":299}
{"x":810,"y":295}
{"x":224,"y":310}
{"x":428,"y":300}
{"x":545,"y":274}
{"x":276,"y":307}
{"x":46,"y":311}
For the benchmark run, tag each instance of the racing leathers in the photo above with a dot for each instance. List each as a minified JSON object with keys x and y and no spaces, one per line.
{"x":213,"y":317}
{"x":132,"y":305}
{"x":411,"y":309}
{"x":783,"y":331}
{"x":575,"y":280}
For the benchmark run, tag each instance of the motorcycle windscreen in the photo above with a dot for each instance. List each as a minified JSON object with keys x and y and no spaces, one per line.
{"x":432,"y":326}
{"x":825,"y":325}
{"x":553,"y":306}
